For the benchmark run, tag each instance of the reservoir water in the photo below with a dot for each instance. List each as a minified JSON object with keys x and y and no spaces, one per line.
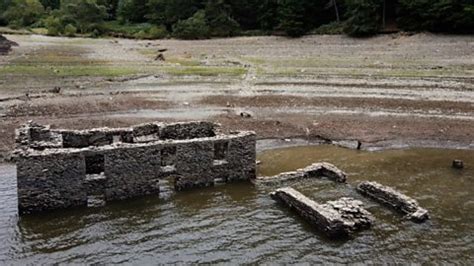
{"x":240,"y":223}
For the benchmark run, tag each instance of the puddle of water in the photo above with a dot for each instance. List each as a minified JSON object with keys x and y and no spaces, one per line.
{"x":176,"y":113}
{"x":240,"y":223}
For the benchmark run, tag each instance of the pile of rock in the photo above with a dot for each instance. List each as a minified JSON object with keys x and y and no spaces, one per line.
{"x":394,"y":199}
{"x":352,"y":213}
{"x":6,"y":45}
{"x":335,"y":218}
{"x":315,"y":170}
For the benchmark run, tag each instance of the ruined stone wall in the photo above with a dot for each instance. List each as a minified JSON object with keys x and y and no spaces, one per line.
{"x":32,"y":135}
{"x":51,"y":181}
{"x":52,"y":178}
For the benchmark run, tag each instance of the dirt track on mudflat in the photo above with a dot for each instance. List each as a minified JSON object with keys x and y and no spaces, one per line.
{"x":392,"y":89}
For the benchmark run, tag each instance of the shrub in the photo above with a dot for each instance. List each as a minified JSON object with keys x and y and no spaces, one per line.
{"x":70,"y":30}
{"x":157,"y":32}
{"x":332,"y":28}
{"x":53,"y":26}
{"x":194,"y":27}
{"x":23,"y":12}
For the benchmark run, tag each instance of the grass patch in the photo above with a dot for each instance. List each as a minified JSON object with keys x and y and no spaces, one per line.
{"x":184,"y":62}
{"x":205,"y":71}
{"x":69,"y":71}
{"x":135,"y":31}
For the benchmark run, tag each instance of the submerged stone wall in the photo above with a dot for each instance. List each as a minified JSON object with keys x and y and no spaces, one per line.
{"x":335,"y":218}
{"x":118,"y":164}
{"x":394,"y":199}
{"x":315,"y":170}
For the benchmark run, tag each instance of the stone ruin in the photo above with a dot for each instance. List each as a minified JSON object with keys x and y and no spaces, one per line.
{"x":315,"y":170}
{"x":338,"y":218}
{"x":394,"y":199}
{"x":344,"y":216}
{"x":59,"y":168}
{"x":6,"y":45}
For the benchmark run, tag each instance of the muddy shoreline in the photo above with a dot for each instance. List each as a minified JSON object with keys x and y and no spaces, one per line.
{"x":390,"y":91}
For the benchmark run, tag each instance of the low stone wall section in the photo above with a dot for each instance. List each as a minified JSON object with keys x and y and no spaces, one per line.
{"x":394,"y":199}
{"x":335,"y":219}
{"x":316,"y":170}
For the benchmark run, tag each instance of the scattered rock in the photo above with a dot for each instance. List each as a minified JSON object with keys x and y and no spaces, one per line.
{"x":56,"y":89}
{"x":350,"y":144}
{"x":162,"y":50}
{"x":394,"y":199}
{"x":6,"y":45}
{"x":160,"y":57}
{"x":245,"y":114}
{"x":458,"y":164}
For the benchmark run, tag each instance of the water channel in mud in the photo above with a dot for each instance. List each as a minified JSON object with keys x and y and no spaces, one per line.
{"x":240,"y":223}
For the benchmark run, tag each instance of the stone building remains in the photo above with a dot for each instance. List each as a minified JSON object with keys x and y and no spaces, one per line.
{"x":58,"y":168}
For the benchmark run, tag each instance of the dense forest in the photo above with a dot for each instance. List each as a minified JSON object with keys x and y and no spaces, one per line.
{"x":198,"y":19}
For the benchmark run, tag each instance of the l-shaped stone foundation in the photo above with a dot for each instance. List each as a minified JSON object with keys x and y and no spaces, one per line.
{"x":63,"y":168}
{"x":394,"y":199}
{"x":335,"y":218}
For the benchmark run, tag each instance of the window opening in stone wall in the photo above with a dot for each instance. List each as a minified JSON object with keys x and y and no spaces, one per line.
{"x":168,"y":156}
{"x":95,"y":164}
{"x":220,"y":150}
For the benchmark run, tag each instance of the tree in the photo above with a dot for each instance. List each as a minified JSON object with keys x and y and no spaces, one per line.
{"x":194,"y":27}
{"x":168,"y":12}
{"x":51,"y":4}
{"x":219,"y":19}
{"x":23,"y":12}
{"x":437,"y":15}
{"x":85,"y":15}
{"x":363,"y":17}
{"x":132,"y":10}
{"x":111,"y":7}
{"x":292,"y":17}
{"x":333,"y":3}
{"x":246,"y":13}
{"x":267,"y":17}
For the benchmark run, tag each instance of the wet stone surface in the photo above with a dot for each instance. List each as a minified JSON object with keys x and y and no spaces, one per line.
{"x":395,"y":199}
{"x":336,"y":219}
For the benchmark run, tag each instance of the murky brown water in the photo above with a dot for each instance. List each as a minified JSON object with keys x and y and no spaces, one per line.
{"x":239,"y":223}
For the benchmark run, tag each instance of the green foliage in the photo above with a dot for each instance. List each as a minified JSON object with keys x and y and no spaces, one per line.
{"x":267,"y":17}
{"x":218,"y":15}
{"x":155,"y":32}
{"x":168,"y":12}
{"x":364,"y":17}
{"x":51,"y":4}
{"x":437,"y":15}
{"x":138,"y":31}
{"x":292,"y":17}
{"x":197,"y":19}
{"x":70,"y":30}
{"x":85,"y":15}
{"x":332,"y":28}
{"x":132,"y":10}
{"x":53,"y":25}
{"x":23,"y":12}
{"x":194,"y":27}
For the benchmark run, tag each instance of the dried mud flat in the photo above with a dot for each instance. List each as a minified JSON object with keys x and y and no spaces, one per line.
{"x":391,"y":90}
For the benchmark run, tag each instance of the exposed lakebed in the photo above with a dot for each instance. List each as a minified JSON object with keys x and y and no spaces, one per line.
{"x":240,"y":223}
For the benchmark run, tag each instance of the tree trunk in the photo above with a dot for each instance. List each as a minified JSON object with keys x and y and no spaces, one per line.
{"x":337,"y":11}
